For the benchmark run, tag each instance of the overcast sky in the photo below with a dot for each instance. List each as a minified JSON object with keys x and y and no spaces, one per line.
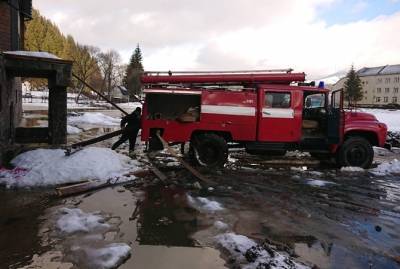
{"x":319,"y":37}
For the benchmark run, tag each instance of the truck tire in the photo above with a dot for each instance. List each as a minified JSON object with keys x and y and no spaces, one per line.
{"x":209,"y":150}
{"x":355,"y":151}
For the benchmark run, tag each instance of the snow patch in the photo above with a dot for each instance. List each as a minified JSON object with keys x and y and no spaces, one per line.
{"x":204,"y":204}
{"x":95,"y":118}
{"x":107,"y":257}
{"x":247,"y":254}
{"x":73,"y":130}
{"x":319,"y":183}
{"x":387,"y":168}
{"x":387,"y":116}
{"x":220,"y":225}
{"x":352,"y":169}
{"x":48,"y":167}
{"x":75,"y":220}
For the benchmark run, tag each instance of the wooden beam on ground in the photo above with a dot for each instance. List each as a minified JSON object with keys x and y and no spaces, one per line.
{"x":96,"y":139}
{"x":184,"y":163}
{"x":158,"y":173}
{"x":87,"y":186}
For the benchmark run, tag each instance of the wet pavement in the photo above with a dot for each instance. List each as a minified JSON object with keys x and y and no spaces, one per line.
{"x":317,"y":214}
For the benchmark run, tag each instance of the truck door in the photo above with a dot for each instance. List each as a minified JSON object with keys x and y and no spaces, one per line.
{"x":335,"y":118}
{"x":278,"y":120}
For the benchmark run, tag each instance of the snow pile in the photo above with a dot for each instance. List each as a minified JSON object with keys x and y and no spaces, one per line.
{"x":95,"y":118}
{"x":247,"y":254}
{"x":351,"y":169}
{"x":47,"y":167}
{"x":109,"y":256}
{"x":73,"y":130}
{"x":319,"y":183}
{"x":387,"y":168}
{"x":389,"y":117}
{"x":75,"y":220}
{"x":221,"y":225}
{"x":105,"y":257}
{"x":204,"y":204}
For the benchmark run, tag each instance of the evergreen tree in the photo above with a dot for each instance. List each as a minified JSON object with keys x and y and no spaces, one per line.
{"x":353,"y":88}
{"x":133,"y":71}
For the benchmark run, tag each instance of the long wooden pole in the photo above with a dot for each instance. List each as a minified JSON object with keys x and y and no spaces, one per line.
{"x":100,"y":94}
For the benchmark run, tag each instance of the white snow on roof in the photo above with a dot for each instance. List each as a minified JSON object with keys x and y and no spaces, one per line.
{"x":391,"y":69}
{"x":75,"y":220}
{"x":38,"y":54}
{"x":48,"y":167}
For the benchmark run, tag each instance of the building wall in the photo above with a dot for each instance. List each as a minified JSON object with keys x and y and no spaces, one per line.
{"x":10,"y":89}
{"x":378,"y":90}
{"x":5,"y":26}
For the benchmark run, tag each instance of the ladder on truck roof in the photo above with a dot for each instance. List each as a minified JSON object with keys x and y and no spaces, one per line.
{"x":220,"y":78}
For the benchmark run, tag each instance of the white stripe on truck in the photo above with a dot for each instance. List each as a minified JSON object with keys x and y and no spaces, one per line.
{"x":229,"y":110}
{"x":283,"y":113}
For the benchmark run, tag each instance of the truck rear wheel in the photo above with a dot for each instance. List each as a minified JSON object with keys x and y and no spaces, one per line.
{"x":209,"y":150}
{"x":355,"y":151}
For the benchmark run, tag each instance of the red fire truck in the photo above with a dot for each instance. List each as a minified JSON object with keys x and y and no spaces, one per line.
{"x":266,"y":112}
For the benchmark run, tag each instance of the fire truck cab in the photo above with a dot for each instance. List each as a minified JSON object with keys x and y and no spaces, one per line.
{"x":264,"y":112}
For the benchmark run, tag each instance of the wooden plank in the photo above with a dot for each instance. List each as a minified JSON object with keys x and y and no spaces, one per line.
{"x":86,"y":186}
{"x":158,"y":173}
{"x":184,"y":163}
{"x":97,"y":139}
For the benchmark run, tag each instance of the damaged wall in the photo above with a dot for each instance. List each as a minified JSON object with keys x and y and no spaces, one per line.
{"x":10,"y":110}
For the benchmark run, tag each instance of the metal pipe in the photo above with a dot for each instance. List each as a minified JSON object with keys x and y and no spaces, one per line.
{"x":287,"y":70}
{"x":226,"y":78}
{"x":100,"y":94}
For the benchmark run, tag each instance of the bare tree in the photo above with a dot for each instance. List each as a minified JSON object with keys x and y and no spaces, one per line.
{"x":85,"y":66}
{"x":109,"y":63}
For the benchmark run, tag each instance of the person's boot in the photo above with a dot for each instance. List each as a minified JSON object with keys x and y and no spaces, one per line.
{"x":132,"y":154}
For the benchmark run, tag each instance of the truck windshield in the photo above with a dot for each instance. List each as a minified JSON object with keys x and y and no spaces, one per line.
{"x":315,"y":101}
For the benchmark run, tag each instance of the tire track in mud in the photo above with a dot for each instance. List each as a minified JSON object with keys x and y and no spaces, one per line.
{"x":359,"y":213}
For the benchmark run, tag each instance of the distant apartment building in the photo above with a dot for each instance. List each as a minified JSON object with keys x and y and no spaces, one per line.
{"x":380,"y":85}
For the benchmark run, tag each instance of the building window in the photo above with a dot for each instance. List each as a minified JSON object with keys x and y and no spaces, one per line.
{"x":387,"y":80}
{"x":379,"y":80}
{"x":378,"y":99}
{"x":397,"y":79}
{"x":378,"y":90}
{"x":394,"y":99}
{"x":385,"y":99}
{"x":387,"y":90}
{"x":396,"y":90}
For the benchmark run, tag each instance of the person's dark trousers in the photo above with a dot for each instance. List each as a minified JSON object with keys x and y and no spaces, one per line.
{"x":121,"y":140}
{"x":127,"y":136}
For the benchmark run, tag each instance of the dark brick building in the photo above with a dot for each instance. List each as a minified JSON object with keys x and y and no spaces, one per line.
{"x":13,"y":13}
{"x":16,"y":63}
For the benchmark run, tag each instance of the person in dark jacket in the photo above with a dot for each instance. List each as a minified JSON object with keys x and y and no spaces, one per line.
{"x":131,"y":125}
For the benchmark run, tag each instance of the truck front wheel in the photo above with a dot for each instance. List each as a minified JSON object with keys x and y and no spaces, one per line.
{"x":209,"y":150}
{"x":355,"y":151}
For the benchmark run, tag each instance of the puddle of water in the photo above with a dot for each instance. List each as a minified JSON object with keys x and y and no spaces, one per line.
{"x":156,"y":223}
{"x":20,"y":220}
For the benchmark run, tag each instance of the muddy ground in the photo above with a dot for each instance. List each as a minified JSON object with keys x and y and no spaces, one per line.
{"x":319,"y":215}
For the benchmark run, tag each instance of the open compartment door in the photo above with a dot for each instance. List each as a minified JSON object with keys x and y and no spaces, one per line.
{"x":335,"y":118}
